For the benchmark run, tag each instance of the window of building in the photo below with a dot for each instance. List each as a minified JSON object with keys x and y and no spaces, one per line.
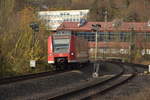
{"x":87,"y":35}
{"x":123,"y":36}
{"x":101,"y":36}
{"x":63,"y":32}
{"x":110,"y":36}
{"x":81,"y":13}
{"x":70,"y":20}
{"x":147,"y":37}
{"x":74,"y":20}
{"x":77,"y":20}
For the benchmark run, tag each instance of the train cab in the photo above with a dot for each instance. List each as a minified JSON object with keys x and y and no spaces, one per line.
{"x":66,"y":48}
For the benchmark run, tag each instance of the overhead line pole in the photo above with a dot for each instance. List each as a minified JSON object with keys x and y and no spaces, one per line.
{"x":105,"y":35}
{"x":96,"y":46}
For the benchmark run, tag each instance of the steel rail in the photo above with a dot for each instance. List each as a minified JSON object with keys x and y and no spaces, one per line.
{"x":85,"y":88}
{"x":111,"y":87}
{"x":13,"y":79}
{"x":9,"y":80}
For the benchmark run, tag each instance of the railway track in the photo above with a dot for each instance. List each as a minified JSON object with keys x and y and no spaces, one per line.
{"x":129,"y":73}
{"x":9,"y":80}
{"x":84,"y":90}
{"x":26,"y":77}
{"x":88,"y":92}
{"x":31,"y":86}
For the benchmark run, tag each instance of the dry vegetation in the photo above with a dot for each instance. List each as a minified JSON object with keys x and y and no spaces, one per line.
{"x":128,"y":10}
{"x":16,"y":40}
{"x":16,"y":37}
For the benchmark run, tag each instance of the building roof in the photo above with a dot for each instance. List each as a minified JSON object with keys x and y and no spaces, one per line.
{"x":56,"y":12}
{"x":108,"y":26}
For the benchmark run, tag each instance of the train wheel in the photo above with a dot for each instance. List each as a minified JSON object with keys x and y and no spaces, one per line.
{"x":65,"y":67}
{"x":53,"y":67}
{"x":61,"y":67}
{"x":72,"y":66}
{"x":57,"y":67}
{"x":80,"y":65}
{"x":69,"y":66}
{"x":76,"y":66}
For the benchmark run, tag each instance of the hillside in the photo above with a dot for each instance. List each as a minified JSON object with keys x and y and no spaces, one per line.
{"x":128,"y":10}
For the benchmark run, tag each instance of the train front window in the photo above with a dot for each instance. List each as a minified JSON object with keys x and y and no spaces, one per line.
{"x":61,"y":45}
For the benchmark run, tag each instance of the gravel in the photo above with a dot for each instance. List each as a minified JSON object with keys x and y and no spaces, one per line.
{"x":40,"y":87}
{"x":133,"y":87}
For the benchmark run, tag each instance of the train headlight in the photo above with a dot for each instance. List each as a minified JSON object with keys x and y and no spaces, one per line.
{"x":50,"y":54}
{"x":72,"y":53}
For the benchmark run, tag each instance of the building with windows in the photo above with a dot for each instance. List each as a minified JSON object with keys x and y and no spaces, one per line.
{"x":108,"y":32}
{"x":53,"y":19}
{"x":113,"y":40}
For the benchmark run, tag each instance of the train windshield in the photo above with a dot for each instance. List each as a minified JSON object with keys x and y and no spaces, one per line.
{"x":61,"y":45}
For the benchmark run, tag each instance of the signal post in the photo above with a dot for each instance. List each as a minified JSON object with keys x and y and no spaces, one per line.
{"x":96,"y":28}
{"x":35,"y":28}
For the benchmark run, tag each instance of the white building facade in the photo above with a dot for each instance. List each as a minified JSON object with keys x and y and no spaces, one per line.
{"x":53,"y":19}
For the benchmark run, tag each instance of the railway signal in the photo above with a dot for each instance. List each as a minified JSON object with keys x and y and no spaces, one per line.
{"x":96,"y":28}
{"x":35,"y":28}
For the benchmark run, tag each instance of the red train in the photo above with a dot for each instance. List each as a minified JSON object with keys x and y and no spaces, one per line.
{"x":67,"y":49}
